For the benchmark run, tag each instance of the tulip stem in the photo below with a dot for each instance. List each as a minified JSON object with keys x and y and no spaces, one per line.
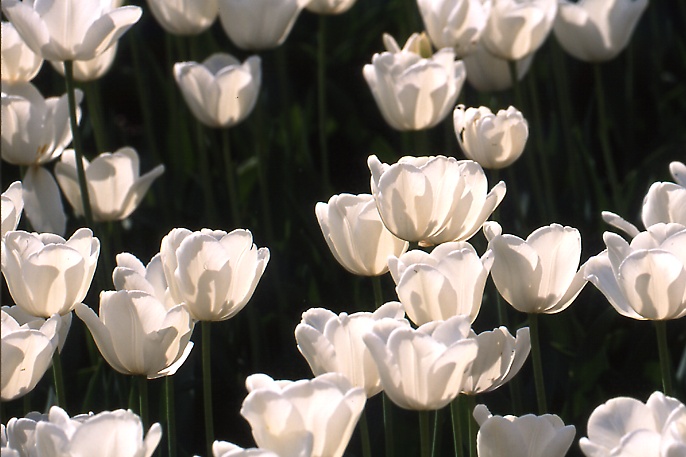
{"x":142,"y":381}
{"x":93,"y":100}
{"x":538,"y":367}
{"x":457,"y":426}
{"x":364,"y":435}
{"x":321,"y":101}
{"x":171,"y":420}
{"x":207,"y":385}
{"x":663,"y":350}
{"x":470,"y":403}
{"x":206,"y":176}
{"x":59,"y":380}
{"x":437,"y":433}
{"x":610,"y":167}
{"x":378,"y":293}
{"x":388,"y":425}
{"x":234,"y":199}
{"x":424,"y":433}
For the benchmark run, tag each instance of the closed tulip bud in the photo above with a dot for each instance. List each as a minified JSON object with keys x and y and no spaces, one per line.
{"x":422,"y":369}
{"x":184,"y":17}
{"x":433,"y":200}
{"x":665,"y":201}
{"x":493,"y":140}
{"x":524,"y":436}
{"x":288,"y":417}
{"x":518,"y":28}
{"x":114,"y":184}
{"x":131,"y":274}
{"x":329,"y":6}
{"x":213,"y":272}
{"x":489,"y":73}
{"x":12,"y":206}
{"x":646,"y":279}
{"x":47,"y":275}
{"x":19,"y":63}
{"x":448,"y":282}
{"x":455,"y":24}
{"x":413,"y":89}
{"x":221,"y":91}
{"x":92,"y":69}
{"x":597,"y":30}
{"x":259,"y":24}
{"x":333,"y":343}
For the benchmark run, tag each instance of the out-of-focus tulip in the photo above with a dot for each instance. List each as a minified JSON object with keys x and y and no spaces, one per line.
{"x":422,"y":369}
{"x":539,"y":274}
{"x":70,"y":29}
{"x":448,"y":282}
{"x":626,"y":426}
{"x":357,"y":237}
{"x":499,"y":359}
{"x":413,"y":89}
{"x":221,"y":91}
{"x":107,"y":434}
{"x":455,"y":24}
{"x":329,"y":6}
{"x":333,"y":343}
{"x":259,"y":24}
{"x":137,"y":334}
{"x":114,"y":183}
{"x":597,"y":30}
{"x":212,"y":272}
{"x":524,"y":436}
{"x":23,"y":318}
{"x":47,"y":275}
{"x":131,"y":274}
{"x":288,"y":417}
{"x":489,"y":73}
{"x":646,"y":279}
{"x":90,"y":70}
{"x":433,"y":200}
{"x":492,"y":140}
{"x":12,"y":206}
{"x":26,"y":353}
{"x":184,"y":17}
{"x":678,"y":171}
{"x":226,"y":449}
{"x":18,"y":63}
{"x":517,"y":28}
{"x":665,"y":201}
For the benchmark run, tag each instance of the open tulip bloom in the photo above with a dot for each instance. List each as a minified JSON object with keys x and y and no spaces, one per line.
{"x":455,"y":24}
{"x":19,"y":63}
{"x":226,"y":449}
{"x":131,"y":274}
{"x":184,"y":17}
{"x":12,"y":206}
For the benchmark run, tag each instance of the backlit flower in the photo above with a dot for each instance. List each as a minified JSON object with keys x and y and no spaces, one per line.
{"x":131,"y":274}
{"x":665,"y":201}
{"x":92,"y":69}
{"x":489,"y":73}
{"x":330,"y":6}
{"x":12,"y":206}
{"x":455,"y":24}
{"x":19,"y":63}
{"x":184,"y":17}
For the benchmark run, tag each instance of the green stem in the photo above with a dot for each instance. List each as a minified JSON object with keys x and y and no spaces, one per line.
{"x":388,"y":425}
{"x":378,"y":293}
{"x":424,"y":434}
{"x":663,"y":350}
{"x":437,"y":433}
{"x":206,"y":175}
{"x":538,"y":366}
{"x":59,"y":380}
{"x":142,"y":382}
{"x":470,"y":402}
{"x":457,"y":426}
{"x":94,"y":102}
{"x":207,"y":385}
{"x":321,"y":101}
{"x":234,"y":199}
{"x":364,"y":434}
{"x":171,"y":418}
{"x":610,"y":167}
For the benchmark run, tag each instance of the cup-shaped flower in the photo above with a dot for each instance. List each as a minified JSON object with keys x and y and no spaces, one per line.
{"x":213,"y":272}
{"x":26,"y":353}
{"x":666,"y":201}
{"x":433,"y":200}
{"x":114,"y":183}
{"x":488,"y":73}
{"x":137,"y":334}
{"x":12,"y":206}
{"x":422,"y":369}
{"x":184,"y":17}
{"x":646,"y":279}
{"x":25,"y":319}
{"x":492,"y":140}
{"x":70,"y":29}
{"x":329,"y":6}
{"x":47,"y":275}
{"x":357,"y":237}
{"x":259,"y":24}
{"x":287,"y":417}
{"x":131,"y":274}
{"x":540,"y":274}
{"x":448,"y":282}
{"x":524,"y":436}
{"x":455,"y":24}
{"x":597,"y":30}
{"x":413,"y":89}
{"x":221,"y":91}
{"x":226,"y":449}
{"x":18,"y":63}
{"x":92,"y":69}
{"x":517,"y":28}
{"x":333,"y":343}
{"x":627,"y":426}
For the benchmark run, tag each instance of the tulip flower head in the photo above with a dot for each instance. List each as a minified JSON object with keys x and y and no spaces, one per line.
{"x":414,"y":89}
{"x":665,"y":201}
{"x":329,"y":6}
{"x":455,"y":24}
{"x":12,"y":206}
{"x":489,"y":73}
{"x":493,"y":140}
{"x":226,"y":449}
{"x":92,"y":69}
{"x":597,"y":30}
{"x":357,"y":237}
{"x":184,"y":17}
{"x":433,"y":200}
{"x":131,"y":274}
{"x":19,"y":64}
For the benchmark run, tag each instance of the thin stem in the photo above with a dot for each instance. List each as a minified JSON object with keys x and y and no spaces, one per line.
{"x":378,"y":293}
{"x":663,"y":350}
{"x":364,"y":434}
{"x":457,"y":426}
{"x":610,"y":167}
{"x":424,"y":434}
{"x":538,"y":366}
{"x":202,"y":154}
{"x":388,"y":425}
{"x":470,"y":401}
{"x":234,"y":199}
{"x":437,"y":433}
{"x":321,"y":100}
{"x":59,"y":380}
{"x":142,"y":382}
{"x":171,"y":417}
{"x":207,"y":385}
{"x":94,"y":102}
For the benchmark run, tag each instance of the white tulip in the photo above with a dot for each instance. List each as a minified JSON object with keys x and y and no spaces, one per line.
{"x":12,"y":206}
{"x":489,"y":73}
{"x":18,"y":63}
{"x":92,"y":69}
{"x":456,"y":24}
{"x":184,"y":17}
{"x":330,"y":6}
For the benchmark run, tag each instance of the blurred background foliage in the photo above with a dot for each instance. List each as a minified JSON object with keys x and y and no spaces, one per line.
{"x":590,"y":353}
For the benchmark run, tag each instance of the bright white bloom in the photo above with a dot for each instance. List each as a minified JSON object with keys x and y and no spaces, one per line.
{"x":221,"y":91}
{"x":456,"y":24}
{"x":647,"y":278}
{"x":488,"y":73}
{"x":333,"y":343}
{"x":114,"y":184}
{"x":12,"y":206}
{"x":259,"y":24}
{"x":23,"y":318}
{"x":357,"y":237}
{"x":665,"y":201}
{"x":597,"y":30}
{"x":433,"y":200}
{"x":70,"y":29}
{"x":426,"y":368}
{"x":330,"y":6}
{"x":47,"y":275}
{"x":625,"y":426}
{"x":414,"y":89}
{"x":448,"y":282}
{"x":92,"y":69}
{"x":18,"y":62}
{"x":290,"y":417}
{"x":184,"y":17}
{"x":525,"y":436}
{"x":226,"y":449}
{"x":131,"y":274}
{"x":492,"y":140}
{"x":540,"y":274}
